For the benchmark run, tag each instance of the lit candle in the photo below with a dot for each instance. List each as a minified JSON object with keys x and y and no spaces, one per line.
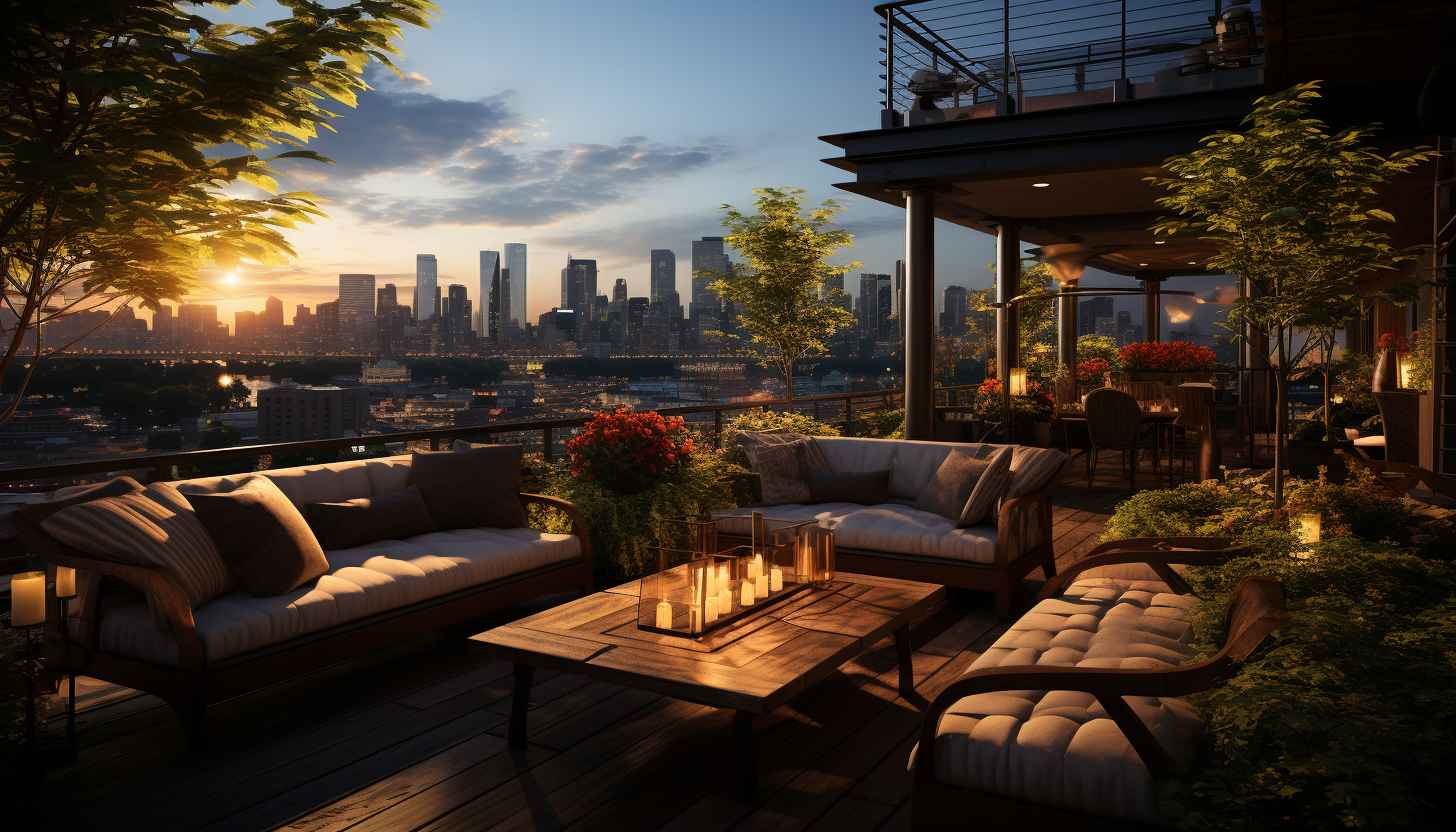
{"x":760,"y":587}
{"x":753,"y":569}
{"x":695,"y":618}
{"x":65,"y":582}
{"x":664,"y":615}
{"x":725,"y":603}
{"x":710,"y":609}
{"x":775,"y":579}
{"x":27,"y":599}
{"x":746,"y":592}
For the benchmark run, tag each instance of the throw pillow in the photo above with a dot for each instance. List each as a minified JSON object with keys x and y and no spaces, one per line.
{"x":779,"y":474}
{"x":392,"y":516}
{"x":38,"y":512}
{"x":951,"y":487}
{"x":462,"y":445}
{"x":1031,"y":468}
{"x":990,"y":488}
{"x":870,"y":488}
{"x":810,"y":454}
{"x":153,"y":527}
{"x":478,"y":487}
{"x":263,"y":537}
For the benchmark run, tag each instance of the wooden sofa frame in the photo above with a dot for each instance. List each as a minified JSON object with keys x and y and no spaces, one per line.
{"x":196,"y":683}
{"x":1256,"y":609}
{"x":1000,"y":576}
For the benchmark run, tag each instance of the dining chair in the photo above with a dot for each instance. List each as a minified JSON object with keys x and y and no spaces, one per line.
{"x":1192,"y":401}
{"x":1114,"y":422}
{"x":1147,"y":391}
{"x":1118,"y":380}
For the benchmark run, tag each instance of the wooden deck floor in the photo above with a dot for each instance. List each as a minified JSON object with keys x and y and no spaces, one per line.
{"x":414,"y":739}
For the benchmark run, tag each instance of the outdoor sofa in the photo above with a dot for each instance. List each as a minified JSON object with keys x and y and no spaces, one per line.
{"x":896,"y":540}
{"x":1073,"y":716}
{"x":132,"y":623}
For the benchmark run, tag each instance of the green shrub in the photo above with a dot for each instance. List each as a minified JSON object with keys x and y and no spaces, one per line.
{"x":624,"y":527}
{"x":761,"y":419}
{"x":1347,"y":717}
{"x":884,"y":424}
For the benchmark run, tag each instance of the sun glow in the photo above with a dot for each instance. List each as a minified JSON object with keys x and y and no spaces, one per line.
{"x":230,"y":279}
{"x":225,"y":381}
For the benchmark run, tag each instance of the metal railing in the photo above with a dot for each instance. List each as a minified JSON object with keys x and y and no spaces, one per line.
{"x":1016,"y":50}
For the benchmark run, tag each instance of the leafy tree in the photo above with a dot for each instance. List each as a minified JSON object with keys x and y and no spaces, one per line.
{"x":175,"y":402}
{"x":1036,"y":333}
{"x":1098,"y":346}
{"x":127,"y":400}
{"x":106,"y":196}
{"x":1287,"y":204}
{"x":776,"y":291}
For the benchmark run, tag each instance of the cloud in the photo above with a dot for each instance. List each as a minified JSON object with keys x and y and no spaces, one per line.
{"x":409,"y":159}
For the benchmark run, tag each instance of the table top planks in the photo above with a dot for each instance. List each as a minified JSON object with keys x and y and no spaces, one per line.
{"x":754,"y":666}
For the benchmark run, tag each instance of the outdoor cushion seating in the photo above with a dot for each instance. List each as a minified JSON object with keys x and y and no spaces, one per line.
{"x":380,"y":593}
{"x":896,"y":540}
{"x":1058,"y":722}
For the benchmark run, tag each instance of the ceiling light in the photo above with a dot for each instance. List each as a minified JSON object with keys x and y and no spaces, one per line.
{"x":1041,"y":184}
{"x":1192,"y":262}
{"x":1159,"y":242}
{"x":1142,"y":264}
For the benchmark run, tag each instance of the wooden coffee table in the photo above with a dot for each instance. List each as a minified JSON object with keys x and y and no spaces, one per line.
{"x":751,"y":668}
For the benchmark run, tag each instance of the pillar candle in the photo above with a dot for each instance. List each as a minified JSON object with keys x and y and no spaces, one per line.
{"x":65,"y":582}
{"x":725,"y":603}
{"x":746,"y":593}
{"x":760,"y":587}
{"x":776,"y":579}
{"x":664,"y":615}
{"x":695,"y":619}
{"x":752,"y":569}
{"x":27,"y":599}
{"x":710,"y":609}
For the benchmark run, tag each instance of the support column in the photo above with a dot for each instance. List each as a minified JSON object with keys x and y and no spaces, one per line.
{"x":1008,"y":286}
{"x":1067,"y":328}
{"x":1152,"y":310}
{"x":919,"y":312}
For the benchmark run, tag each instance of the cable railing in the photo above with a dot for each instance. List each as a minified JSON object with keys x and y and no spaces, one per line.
{"x":975,"y":58}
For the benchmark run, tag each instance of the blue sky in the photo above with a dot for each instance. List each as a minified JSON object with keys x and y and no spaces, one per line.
{"x":605,"y":129}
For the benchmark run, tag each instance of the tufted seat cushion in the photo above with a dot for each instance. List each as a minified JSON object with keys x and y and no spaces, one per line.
{"x":888,"y":527}
{"x":362,"y":581}
{"x":1059,"y":748}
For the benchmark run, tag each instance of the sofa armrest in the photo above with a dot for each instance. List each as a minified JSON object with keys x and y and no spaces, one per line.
{"x":1159,"y":553}
{"x":1012,"y":516}
{"x":578,"y":520}
{"x":163,"y":593}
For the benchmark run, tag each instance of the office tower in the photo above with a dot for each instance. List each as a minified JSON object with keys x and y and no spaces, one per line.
{"x":246,"y":326}
{"x":636,"y":318}
{"x":1124,"y":328}
{"x":273,"y":316}
{"x":305,"y":327}
{"x":164,"y":326}
{"x":869,"y":304}
{"x":514,"y":307}
{"x":708,"y":256}
{"x":356,"y":296}
{"x":1107,"y":328}
{"x":388,"y":298}
{"x":456,"y":316}
{"x":663,"y":278}
{"x":619,"y":291}
{"x":886,"y":325}
{"x":953,"y":310}
{"x":487,"y":324}
{"x":197,"y":325}
{"x":580,"y":285}
{"x":897,"y":307}
{"x":291,"y":412}
{"x":1088,"y":311}
{"x":326,"y":316}
{"x":427,"y":290}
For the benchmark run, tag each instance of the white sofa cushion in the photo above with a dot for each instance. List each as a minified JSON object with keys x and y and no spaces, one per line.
{"x":883,"y":528}
{"x":913,"y":462}
{"x":1059,"y":748}
{"x":369,"y":579}
{"x":334,"y":482}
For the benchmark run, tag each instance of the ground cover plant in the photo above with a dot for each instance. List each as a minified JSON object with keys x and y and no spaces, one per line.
{"x":1347,"y":716}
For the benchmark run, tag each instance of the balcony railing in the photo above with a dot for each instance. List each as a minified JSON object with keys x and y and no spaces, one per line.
{"x":1018,"y":56}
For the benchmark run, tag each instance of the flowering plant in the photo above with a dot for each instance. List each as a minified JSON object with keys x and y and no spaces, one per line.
{"x":1169,"y":357}
{"x":1035,"y":407}
{"x":1092,"y":371}
{"x":1392,"y":341}
{"x":629,"y":451}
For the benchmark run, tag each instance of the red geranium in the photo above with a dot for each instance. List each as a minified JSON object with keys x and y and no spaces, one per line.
{"x":1392,"y":341}
{"x":629,"y":451}
{"x":1166,"y":357}
{"x":1092,"y":371}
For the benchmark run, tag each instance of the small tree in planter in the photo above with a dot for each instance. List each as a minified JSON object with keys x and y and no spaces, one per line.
{"x":776,"y":291}
{"x":1286,"y":203}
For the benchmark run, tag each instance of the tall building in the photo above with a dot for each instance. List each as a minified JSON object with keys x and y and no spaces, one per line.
{"x":427,"y":289}
{"x":897,"y":303}
{"x":869,"y":304}
{"x":579,"y":292}
{"x":487,"y":323}
{"x":197,"y":325}
{"x":388,"y":298}
{"x":1124,"y":329}
{"x":292,"y":412}
{"x":273,"y":316}
{"x":663,"y":278}
{"x":636,"y":319}
{"x":455,"y":314}
{"x":953,"y":310}
{"x":326,"y":319}
{"x":356,"y":296}
{"x":887,"y":326}
{"x":515,"y":283}
{"x":164,"y":326}
{"x":1088,"y":311}
{"x":708,"y":256}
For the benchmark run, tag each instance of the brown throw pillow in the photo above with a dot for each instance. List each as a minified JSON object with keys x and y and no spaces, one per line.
{"x":392,"y":516}
{"x":810,"y":455}
{"x":990,"y":488}
{"x":478,"y":487}
{"x":869,"y":488}
{"x":38,"y":512}
{"x":262,"y":536}
{"x":779,"y":474}
{"x":951,"y":487}
{"x":153,"y":527}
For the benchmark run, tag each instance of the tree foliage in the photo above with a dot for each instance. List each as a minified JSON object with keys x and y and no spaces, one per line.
{"x":776,"y":291}
{"x":108,"y":196}
{"x":1036,"y":329}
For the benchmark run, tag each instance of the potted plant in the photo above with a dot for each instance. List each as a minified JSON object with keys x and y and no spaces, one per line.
{"x":630,"y":452}
{"x":1387,"y":367}
{"x":1031,"y":414}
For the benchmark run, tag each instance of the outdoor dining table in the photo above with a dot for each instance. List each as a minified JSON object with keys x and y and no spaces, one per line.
{"x":1158,"y":418}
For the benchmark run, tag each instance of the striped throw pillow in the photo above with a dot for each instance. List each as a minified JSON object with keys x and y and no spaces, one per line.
{"x":1031,"y":468}
{"x":779,"y":474}
{"x":154,"y":527}
{"x":990,"y":488}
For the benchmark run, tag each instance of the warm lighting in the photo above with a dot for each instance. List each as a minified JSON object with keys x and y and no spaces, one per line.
{"x":1405,"y":371}
{"x":65,"y":582}
{"x":1176,"y":313}
{"x":1309,"y":530}
{"x":1017,"y":381}
{"x":27,"y":599}
{"x":1041,"y":184}
{"x":664,"y":615}
{"x":1192,"y":262}
{"x":1159,"y":242}
{"x":1142,"y":264}
{"x":230,"y":279}
{"x":225,"y":381}
{"x":1338,"y":399}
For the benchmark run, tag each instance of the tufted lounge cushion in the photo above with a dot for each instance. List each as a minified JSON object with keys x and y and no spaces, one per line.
{"x":1059,"y":748}
{"x":362,"y":581}
{"x":883,"y":528}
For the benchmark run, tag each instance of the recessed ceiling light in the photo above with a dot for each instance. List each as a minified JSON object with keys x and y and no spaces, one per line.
{"x":1192,"y":262}
{"x":1041,"y":184}
{"x":1142,"y":264}
{"x":1159,"y":242}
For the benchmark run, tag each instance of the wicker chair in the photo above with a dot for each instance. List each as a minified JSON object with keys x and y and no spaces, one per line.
{"x":1119,"y":381}
{"x":1401,"y":416}
{"x":1114,"y":422}
{"x":1147,"y":391}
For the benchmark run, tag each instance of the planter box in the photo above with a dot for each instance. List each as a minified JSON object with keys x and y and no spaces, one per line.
{"x":1171,"y":378}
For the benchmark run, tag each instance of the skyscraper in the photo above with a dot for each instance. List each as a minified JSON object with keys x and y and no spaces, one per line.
{"x":897,"y":308}
{"x":487,"y":323}
{"x":356,"y":296}
{"x":427,"y":276}
{"x":456,"y":315}
{"x":1088,"y":311}
{"x":885,"y":321}
{"x":953,"y":306}
{"x":869,"y":304}
{"x":388,"y":298}
{"x":663,"y":280}
{"x":273,"y":316}
{"x":579,"y":281}
{"x":513,"y":300}
{"x":708,"y":256}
